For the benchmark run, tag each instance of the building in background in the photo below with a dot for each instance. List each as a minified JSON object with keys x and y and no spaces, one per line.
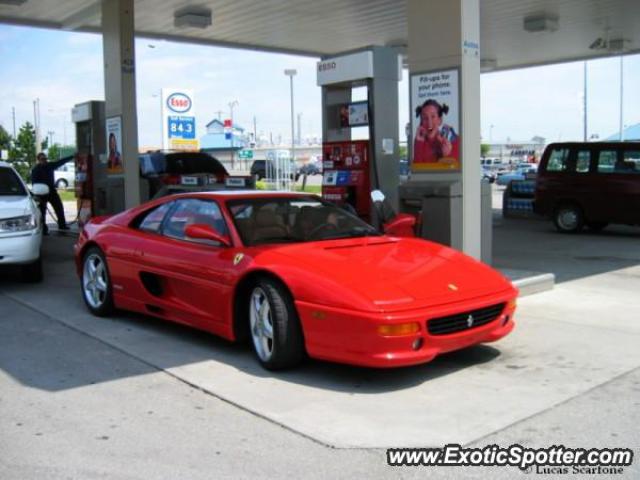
{"x":220,"y":144}
{"x":518,"y":152}
{"x":629,"y":134}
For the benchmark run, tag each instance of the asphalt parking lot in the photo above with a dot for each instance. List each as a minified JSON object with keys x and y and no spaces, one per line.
{"x":131,"y":397}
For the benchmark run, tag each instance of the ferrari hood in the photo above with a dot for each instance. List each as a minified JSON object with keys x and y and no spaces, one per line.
{"x":398,"y":273}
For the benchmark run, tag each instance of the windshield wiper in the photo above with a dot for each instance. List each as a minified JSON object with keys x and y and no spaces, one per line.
{"x":355,"y":233}
{"x":277,"y":239}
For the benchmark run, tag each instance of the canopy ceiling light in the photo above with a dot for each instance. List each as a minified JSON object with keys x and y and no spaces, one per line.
{"x":540,"y":23}
{"x":192,"y":17}
{"x":611,"y":45}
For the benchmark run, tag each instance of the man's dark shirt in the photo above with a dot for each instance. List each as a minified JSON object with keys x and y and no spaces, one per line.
{"x":44,"y":173}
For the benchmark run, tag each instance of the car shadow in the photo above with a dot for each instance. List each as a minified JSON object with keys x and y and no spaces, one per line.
{"x":203,"y":346}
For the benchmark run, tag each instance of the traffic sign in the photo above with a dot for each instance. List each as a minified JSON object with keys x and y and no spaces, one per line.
{"x":245,"y":154}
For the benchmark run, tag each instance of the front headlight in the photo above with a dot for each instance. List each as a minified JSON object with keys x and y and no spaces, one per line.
{"x":18,"y":224}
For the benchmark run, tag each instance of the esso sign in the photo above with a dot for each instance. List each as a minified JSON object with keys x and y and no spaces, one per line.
{"x":179,"y":102}
{"x":324,"y":66}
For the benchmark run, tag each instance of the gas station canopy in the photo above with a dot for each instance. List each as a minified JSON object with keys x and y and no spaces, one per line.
{"x":513,"y":33}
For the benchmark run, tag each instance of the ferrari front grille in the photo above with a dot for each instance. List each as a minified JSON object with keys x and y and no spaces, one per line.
{"x":460,"y":322}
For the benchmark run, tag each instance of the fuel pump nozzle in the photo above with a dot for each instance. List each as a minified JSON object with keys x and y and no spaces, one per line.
{"x":390,"y":222}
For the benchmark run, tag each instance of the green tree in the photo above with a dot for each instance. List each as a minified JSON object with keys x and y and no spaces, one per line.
{"x":484,"y":149}
{"x":5,"y":139}
{"x":23,"y":154}
{"x":54,"y":152}
{"x":57,"y":151}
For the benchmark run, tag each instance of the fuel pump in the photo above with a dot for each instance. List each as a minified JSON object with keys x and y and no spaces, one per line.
{"x":346,"y":179}
{"x":84,"y":187}
{"x":360,"y":138}
{"x":90,"y":144}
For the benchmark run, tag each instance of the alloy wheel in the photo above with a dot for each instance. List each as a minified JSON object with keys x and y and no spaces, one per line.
{"x":261,"y":323}
{"x":95,"y":282}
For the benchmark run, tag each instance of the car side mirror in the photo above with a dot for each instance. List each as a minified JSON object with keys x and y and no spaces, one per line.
{"x":40,"y":189}
{"x":403,"y":225}
{"x":201,"y":231}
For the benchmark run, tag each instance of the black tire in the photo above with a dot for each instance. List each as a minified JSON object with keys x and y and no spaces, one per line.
{"x":61,"y":183}
{"x":287,"y":344}
{"x":597,"y":226}
{"x":32,"y":273}
{"x":100,"y":304}
{"x":568,"y":218}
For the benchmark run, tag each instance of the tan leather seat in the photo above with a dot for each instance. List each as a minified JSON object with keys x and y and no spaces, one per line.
{"x":267,"y":224}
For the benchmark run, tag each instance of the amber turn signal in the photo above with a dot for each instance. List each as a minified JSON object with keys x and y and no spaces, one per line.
{"x":398,"y":329}
{"x":511,"y":304}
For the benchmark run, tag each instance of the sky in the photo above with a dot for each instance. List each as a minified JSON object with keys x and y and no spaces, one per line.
{"x":63,"y":68}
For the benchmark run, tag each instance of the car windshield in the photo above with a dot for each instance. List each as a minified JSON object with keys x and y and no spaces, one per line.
{"x":262,"y":221}
{"x":10,"y":184}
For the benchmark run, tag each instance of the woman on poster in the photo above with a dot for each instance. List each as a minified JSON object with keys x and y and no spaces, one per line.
{"x":115,"y":160}
{"x":435,"y":141}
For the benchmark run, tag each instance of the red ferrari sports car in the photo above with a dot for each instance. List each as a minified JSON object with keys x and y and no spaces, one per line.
{"x":294,"y":274}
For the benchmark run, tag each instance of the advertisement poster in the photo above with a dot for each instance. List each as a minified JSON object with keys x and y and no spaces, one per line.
{"x":114,"y":145}
{"x":354,"y":114}
{"x":435,"y":121}
{"x":178,"y":120}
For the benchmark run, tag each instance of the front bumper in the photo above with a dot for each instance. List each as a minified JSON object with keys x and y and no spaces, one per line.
{"x":20,"y":247}
{"x":352,"y":337}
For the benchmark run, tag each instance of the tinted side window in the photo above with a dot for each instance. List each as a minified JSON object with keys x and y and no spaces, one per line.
{"x":630,"y":162}
{"x":583,"y":161}
{"x":208,"y":213}
{"x":558,"y":160}
{"x":607,"y":161}
{"x":152,"y":221}
{"x":191,"y":211}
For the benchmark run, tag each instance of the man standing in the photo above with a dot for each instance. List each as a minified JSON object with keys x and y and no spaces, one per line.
{"x":43,"y":173}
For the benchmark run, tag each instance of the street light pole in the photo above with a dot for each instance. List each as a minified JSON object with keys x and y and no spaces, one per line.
{"x":584,"y":103}
{"x":290,"y":72}
{"x":36,"y":123}
{"x":621,"y":96}
{"x":231,"y":105}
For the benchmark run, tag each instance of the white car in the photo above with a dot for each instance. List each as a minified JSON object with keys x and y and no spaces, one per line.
{"x":20,"y":224}
{"x":65,"y":175}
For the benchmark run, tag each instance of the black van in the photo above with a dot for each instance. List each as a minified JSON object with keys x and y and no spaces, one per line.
{"x":589,"y":184}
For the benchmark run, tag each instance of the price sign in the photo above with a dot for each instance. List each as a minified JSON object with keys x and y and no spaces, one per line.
{"x":182,"y":127}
